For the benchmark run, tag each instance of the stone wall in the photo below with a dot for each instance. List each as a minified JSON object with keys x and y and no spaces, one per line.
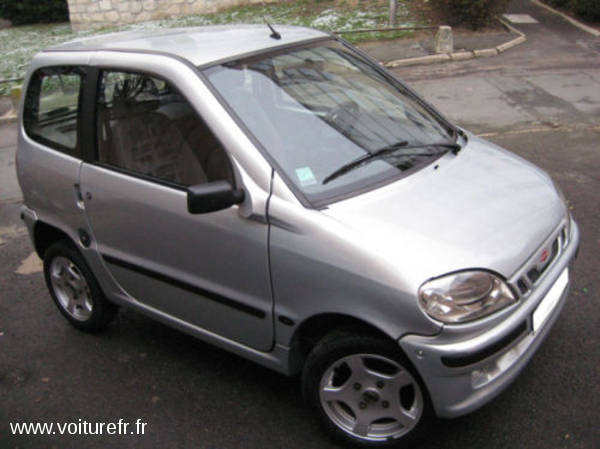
{"x":85,"y":14}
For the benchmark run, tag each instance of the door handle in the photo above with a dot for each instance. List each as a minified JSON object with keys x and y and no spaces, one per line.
{"x":77,"y":188}
{"x":78,"y":196}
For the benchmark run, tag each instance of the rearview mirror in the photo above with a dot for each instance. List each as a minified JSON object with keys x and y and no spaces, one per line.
{"x":212,"y":196}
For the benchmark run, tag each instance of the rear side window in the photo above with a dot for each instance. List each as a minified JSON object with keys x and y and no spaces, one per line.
{"x":52,"y":108}
{"x":146,"y":127}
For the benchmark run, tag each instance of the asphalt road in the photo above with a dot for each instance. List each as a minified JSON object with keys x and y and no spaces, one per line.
{"x":540,"y":100}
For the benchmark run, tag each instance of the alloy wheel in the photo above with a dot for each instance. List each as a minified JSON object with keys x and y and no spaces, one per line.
{"x":71,"y":288}
{"x":371,"y":397}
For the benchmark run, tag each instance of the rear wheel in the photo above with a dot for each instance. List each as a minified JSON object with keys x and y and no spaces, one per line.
{"x":75,"y":290}
{"x":365,"y":391}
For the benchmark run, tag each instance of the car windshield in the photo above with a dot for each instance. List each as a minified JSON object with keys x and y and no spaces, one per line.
{"x":317,"y":109}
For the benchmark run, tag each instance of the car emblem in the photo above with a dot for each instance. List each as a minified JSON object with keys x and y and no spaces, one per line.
{"x":544,"y":256}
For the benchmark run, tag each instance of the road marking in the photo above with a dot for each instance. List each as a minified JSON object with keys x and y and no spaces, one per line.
{"x":559,"y":128}
{"x":520,"y":18}
{"x":10,"y":232}
{"x":31,"y":264}
{"x":524,"y":131}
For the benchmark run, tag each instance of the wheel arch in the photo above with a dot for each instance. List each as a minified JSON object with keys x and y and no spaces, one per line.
{"x":313,"y":329}
{"x":44,"y":235}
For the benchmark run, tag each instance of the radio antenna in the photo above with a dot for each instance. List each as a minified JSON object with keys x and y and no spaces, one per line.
{"x":274,"y":33}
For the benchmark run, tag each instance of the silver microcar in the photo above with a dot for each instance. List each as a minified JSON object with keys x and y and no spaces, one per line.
{"x":275,"y":192}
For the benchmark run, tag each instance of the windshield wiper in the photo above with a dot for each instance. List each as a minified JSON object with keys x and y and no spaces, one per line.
{"x":454,"y":147}
{"x":364,"y":159}
{"x":403,"y":145}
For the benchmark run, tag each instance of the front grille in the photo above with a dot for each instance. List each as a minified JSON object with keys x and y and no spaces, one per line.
{"x":522,"y":286}
{"x":536,"y":272}
{"x":542,"y":259}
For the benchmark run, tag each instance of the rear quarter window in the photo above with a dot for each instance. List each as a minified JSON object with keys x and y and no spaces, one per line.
{"x":51,"y":114}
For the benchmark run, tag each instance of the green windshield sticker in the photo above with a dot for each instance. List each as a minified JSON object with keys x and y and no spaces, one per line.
{"x":305,"y":176}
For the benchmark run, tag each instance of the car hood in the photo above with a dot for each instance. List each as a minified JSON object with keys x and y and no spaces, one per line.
{"x":483,"y":208}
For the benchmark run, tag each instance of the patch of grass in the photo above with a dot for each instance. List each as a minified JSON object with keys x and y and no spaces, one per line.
{"x":376,"y":36}
{"x":19,"y":44}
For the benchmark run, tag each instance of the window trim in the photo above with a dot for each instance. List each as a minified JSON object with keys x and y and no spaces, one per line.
{"x":34,"y":86}
{"x":140,"y":176}
{"x":89,"y":145}
{"x":92,"y":151}
{"x":204,"y":69}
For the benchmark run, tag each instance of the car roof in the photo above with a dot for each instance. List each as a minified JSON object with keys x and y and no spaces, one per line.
{"x":199,"y":45}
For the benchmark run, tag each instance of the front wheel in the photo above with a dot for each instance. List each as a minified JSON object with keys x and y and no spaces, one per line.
{"x":365,"y":391}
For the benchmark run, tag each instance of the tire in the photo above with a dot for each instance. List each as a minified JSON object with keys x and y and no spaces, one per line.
{"x":365,"y":392}
{"x":75,"y":290}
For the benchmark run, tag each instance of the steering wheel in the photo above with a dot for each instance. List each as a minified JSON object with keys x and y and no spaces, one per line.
{"x":344,"y":114}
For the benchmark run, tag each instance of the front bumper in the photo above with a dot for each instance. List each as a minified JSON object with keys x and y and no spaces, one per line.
{"x":464,"y":372}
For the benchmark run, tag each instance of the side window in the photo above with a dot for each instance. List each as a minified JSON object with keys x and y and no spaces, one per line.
{"x":52,"y":108}
{"x":146,"y":127}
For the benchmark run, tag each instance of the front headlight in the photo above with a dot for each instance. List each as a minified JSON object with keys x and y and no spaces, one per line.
{"x":464,"y":296}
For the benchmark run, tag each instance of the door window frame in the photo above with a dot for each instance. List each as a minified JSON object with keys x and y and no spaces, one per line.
{"x":89,"y":131}
{"x":34,"y":86}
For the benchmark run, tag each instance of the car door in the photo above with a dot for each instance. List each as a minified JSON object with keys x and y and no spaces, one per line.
{"x":50,"y":150}
{"x":209,"y":270}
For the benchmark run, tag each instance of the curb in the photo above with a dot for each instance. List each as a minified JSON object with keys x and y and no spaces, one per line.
{"x":462,"y":55}
{"x":12,"y":114}
{"x":513,"y":43}
{"x":575,"y":22}
{"x":9,"y":117}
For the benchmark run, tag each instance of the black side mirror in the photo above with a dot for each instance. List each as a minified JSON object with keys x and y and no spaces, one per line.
{"x":212,"y":196}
